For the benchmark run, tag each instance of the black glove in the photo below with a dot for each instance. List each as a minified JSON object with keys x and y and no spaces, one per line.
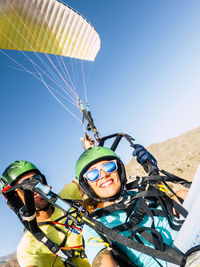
{"x":144,"y":157}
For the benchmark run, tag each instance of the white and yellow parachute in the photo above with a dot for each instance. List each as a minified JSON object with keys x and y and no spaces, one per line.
{"x":46,"y":26}
{"x":50,"y":29}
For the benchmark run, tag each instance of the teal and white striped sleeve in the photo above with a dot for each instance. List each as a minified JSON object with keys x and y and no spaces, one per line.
{"x":93,"y":243}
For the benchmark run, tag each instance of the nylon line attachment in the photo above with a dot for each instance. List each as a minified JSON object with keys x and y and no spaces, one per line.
{"x":88,"y":117}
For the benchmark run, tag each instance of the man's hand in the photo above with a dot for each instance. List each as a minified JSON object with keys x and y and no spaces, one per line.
{"x":87,"y":141}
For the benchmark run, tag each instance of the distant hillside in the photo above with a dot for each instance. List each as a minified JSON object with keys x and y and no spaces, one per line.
{"x":9,"y":261}
{"x":179,"y":155}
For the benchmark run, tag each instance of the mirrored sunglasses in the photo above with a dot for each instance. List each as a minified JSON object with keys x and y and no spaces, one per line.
{"x":37,"y":176}
{"x":94,"y":174}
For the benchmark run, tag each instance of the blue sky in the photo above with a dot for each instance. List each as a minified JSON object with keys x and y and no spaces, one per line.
{"x":144,"y":82}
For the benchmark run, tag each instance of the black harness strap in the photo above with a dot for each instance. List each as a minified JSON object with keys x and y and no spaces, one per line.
{"x":120,"y":205}
{"x":189,"y":253}
{"x":74,"y":253}
{"x":171,"y":256}
{"x":175,"y":179}
{"x":27,"y":215}
{"x":58,"y":229}
{"x":154,"y":179}
{"x":147,"y":199}
{"x":136,"y":208}
{"x":27,"y":212}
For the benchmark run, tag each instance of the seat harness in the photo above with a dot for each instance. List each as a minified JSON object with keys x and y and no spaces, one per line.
{"x":150,"y":195}
{"x":27,"y":215}
{"x":145,"y":202}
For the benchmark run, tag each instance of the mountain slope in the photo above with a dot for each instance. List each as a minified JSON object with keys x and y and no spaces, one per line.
{"x":9,"y":261}
{"x":179,"y":155}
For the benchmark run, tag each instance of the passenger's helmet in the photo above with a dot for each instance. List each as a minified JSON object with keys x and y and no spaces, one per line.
{"x":91,"y":156}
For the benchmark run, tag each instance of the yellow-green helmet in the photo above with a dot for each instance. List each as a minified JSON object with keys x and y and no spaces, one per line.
{"x":91,"y":156}
{"x":15,"y":170}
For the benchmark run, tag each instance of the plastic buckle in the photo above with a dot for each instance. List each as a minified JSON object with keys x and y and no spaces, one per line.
{"x":142,"y":186}
{"x":136,"y":217}
{"x":161,"y":187}
{"x":82,"y":254}
{"x":77,"y":253}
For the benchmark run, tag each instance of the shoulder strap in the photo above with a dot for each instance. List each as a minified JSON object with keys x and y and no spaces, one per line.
{"x":27,"y":215}
{"x":169,"y":255}
{"x":141,"y":207}
{"x":120,"y":205}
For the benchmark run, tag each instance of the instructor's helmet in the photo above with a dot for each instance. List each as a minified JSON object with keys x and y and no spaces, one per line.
{"x":94,"y":155}
{"x":17,"y":169}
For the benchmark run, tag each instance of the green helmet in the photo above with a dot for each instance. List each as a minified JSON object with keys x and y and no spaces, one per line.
{"x":15,"y":170}
{"x":91,"y":156}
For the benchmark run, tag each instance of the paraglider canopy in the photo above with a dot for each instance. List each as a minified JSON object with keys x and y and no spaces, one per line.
{"x":46,"y":26}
